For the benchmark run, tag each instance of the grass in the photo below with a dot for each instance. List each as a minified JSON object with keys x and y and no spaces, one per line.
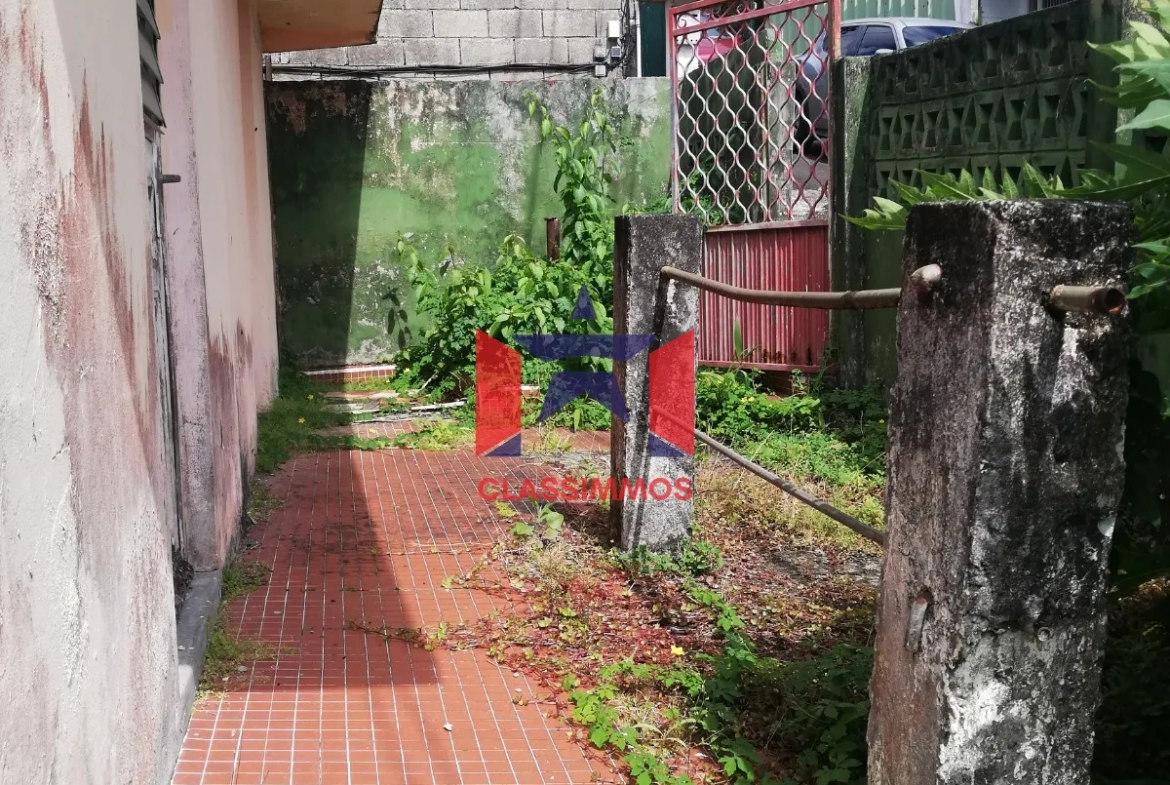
{"x":293,"y":422}
{"x":551,"y":440}
{"x":444,"y":434}
{"x":242,"y":578}
{"x":297,"y":421}
{"x":820,"y":464}
{"x":261,"y":501}
{"x":227,"y":653}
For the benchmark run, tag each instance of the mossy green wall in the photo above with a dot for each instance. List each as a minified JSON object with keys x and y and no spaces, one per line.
{"x":459,"y":165}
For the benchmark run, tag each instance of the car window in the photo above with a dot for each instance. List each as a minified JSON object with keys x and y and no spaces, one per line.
{"x":850,"y":40}
{"x":920,"y":35}
{"x":877,"y":37}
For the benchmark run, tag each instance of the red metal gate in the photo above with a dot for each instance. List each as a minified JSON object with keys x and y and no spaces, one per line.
{"x":751,"y":159}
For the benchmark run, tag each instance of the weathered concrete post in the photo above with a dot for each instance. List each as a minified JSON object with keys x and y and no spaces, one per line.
{"x":643,"y":463}
{"x":1005,"y":473}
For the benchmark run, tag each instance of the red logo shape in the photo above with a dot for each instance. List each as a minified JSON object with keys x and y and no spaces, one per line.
{"x":497,"y":397}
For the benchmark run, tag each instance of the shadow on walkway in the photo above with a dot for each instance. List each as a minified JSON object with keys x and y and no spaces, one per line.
{"x":365,"y":540}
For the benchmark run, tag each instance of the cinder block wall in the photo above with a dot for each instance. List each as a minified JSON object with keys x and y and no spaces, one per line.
{"x":478,"y":33}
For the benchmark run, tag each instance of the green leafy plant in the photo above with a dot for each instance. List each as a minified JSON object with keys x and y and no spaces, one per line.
{"x":523,"y":293}
{"x":442,"y":434}
{"x":585,"y":161}
{"x":695,"y":557}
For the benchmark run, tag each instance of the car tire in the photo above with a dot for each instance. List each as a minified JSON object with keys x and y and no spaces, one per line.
{"x":806,"y":141}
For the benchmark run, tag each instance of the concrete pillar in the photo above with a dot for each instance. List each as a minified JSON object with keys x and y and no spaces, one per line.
{"x":644,"y":304}
{"x":1005,"y":474}
{"x":849,"y":166}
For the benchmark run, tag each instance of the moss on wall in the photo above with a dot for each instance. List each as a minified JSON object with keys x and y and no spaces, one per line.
{"x":458,"y":165}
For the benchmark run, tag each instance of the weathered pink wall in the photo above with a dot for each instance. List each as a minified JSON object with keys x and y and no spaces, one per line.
{"x":87,"y":631}
{"x":219,"y":235}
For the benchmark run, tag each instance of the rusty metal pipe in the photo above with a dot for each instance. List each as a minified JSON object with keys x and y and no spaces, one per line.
{"x":832,"y":301}
{"x":846,"y":520}
{"x":1088,"y":299}
{"x":552,"y":238}
{"x":926,"y":279}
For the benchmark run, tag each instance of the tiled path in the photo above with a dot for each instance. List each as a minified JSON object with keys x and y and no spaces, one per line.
{"x":366,"y":538}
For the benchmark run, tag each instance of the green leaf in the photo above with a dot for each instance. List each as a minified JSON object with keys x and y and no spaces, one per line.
{"x":1156,"y":115}
{"x":1137,"y":161}
{"x":1010,"y":189}
{"x":1155,"y":246}
{"x":1122,"y":192}
{"x":909,"y":194}
{"x":988,"y":181}
{"x":944,"y":187}
{"x":1150,"y":35}
{"x":1036,"y":185}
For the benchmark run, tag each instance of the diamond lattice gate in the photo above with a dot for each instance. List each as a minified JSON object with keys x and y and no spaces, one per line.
{"x":751,"y":123}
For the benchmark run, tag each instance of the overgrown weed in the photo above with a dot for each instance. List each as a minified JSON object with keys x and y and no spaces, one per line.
{"x":226,"y":652}
{"x":443,"y":434}
{"x":261,"y":500}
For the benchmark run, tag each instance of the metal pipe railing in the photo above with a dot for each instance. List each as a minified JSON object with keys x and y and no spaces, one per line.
{"x":1094,"y":299}
{"x":798,"y":493}
{"x":833,"y":301}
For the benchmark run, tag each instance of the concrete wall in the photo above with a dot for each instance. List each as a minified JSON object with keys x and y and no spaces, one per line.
{"x":948,"y":105}
{"x":458,"y":164}
{"x":89,"y":501}
{"x":87,"y":630}
{"x":960,"y":10}
{"x":219,"y":257}
{"x":477,"y":33}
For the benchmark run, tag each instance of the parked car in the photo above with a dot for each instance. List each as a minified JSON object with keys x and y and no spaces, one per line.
{"x":859,"y":38}
{"x":703,"y":46}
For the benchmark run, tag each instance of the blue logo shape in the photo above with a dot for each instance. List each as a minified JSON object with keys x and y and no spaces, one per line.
{"x":584,"y":309}
{"x":598,"y":385}
{"x":601,"y":386}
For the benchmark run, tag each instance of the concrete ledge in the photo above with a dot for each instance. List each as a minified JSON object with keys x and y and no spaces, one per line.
{"x":194,"y":619}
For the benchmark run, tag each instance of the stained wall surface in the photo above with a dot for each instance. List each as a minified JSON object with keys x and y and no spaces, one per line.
{"x":219,"y":232}
{"x":87,"y":622}
{"x":456,"y":166}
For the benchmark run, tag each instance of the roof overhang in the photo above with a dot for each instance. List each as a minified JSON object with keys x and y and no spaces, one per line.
{"x":292,"y":25}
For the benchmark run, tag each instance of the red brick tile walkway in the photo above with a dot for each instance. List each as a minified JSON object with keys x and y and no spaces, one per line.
{"x":367,"y":538}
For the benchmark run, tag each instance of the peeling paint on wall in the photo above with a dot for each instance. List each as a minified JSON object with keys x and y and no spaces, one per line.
{"x":458,"y":165}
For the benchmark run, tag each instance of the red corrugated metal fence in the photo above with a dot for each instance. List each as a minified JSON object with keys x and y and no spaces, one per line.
{"x":751,"y":158}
